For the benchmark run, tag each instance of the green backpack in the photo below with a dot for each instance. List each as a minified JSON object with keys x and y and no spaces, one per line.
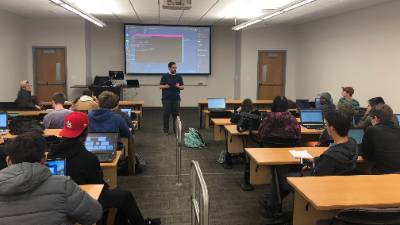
{"x":193,"y":139}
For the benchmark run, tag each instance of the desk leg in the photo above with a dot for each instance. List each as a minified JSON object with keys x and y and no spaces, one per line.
{"x":305,"y":214}
{"x":235,"y":144}
{"x":260,"y":174}
{"x":201,"y":115}
{"x":219,"y":134}
{"x":206,"y":119}
{"x":110,"y":176}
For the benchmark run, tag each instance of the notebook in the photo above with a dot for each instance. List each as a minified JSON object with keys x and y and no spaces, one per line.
{"x":56,"y":166}
{"x":300,"y":154}
{"x":103,"y":145}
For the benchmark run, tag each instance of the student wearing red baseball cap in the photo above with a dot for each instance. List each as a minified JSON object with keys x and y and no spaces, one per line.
{"x":84,"y":168}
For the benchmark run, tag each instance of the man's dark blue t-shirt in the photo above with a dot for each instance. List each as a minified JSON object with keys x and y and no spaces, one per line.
{"x":173,"y":92}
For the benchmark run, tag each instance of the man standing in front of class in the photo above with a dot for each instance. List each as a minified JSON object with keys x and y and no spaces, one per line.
{"x":171,"y":85}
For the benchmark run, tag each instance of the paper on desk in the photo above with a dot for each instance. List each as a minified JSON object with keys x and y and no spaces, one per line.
{"x":302,"y":154}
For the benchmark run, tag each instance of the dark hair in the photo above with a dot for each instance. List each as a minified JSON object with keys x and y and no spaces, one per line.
{"x":280,"y":104}
{"x":340,"y":120}
{"x":171,"y":64}
{"x":108,"y":100}
{"x":247,"y":105}
{"x":383,"y":112}
{"x":27,"y":147}
{"x":58,"y":98}
{"x":87,"y":92}
{"x":346,"y":107}
{"x":376,"y":101}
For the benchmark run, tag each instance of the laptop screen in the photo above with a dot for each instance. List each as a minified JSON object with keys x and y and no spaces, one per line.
{"x":398,"y":118}
{"x":56,"y":166}
{"x":101,"y":142}
{"x":127,"y":111}
{"x":216,"y":103}
{"x":3,"y":120}
{"x":356,"y":134}
{"x":311,"y":116}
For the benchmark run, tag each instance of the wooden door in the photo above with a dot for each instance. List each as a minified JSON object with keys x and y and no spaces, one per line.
{"x":271,"y":74}
{"x":50,"y":74}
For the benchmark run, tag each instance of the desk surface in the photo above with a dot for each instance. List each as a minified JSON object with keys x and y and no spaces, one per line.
{"x":121,"y":103}
{"x":238,"y":101}
{"x":221,"y":121}
{"x":280,"y":156}
{"x":231,"y":128}
{"x":47,"y":132}
{"x":340,"y":192}
{"x":94,"y":190}
{"x":28,"y":113}
{"x":113,"y":163}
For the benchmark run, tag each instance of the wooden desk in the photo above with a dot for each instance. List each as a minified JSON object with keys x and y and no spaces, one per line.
{"x":94,"y":190}
{"x":329,"y":194}
{"x":219,"y":131}
{"x":136,"y":105}
{"x":110,"y":171}
{"x":261,"y":160}
{"x":47,"y":132}
{"x":231,"y":103}
{"x":28,"y":113}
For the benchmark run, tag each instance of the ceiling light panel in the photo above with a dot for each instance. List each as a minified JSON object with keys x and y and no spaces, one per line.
{"x":97,"y":7}
{"x":248,"y":9}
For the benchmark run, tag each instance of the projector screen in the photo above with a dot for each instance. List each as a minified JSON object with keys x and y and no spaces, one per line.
{"x":149,"y":49}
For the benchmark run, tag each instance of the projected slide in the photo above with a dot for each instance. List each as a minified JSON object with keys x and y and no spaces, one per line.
{"x":148,"y":49}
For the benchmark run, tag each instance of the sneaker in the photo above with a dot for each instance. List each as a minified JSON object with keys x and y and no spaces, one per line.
{"x":155,"y":221}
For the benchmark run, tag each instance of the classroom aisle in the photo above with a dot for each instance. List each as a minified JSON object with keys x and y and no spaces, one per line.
{"x":155,"y":188}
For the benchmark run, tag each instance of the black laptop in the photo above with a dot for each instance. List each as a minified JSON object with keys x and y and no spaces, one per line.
{"x":103,"y":145}
{"x":216,"y":104}
{"x":312,"y":119}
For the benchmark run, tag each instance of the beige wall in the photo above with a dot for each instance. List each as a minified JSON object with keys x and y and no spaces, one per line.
{"x":360,"y":49}
{"x":270,"y":38}
{"x":12,"y":55}
{"x":59,"y":33}
{"x":107,"y":54}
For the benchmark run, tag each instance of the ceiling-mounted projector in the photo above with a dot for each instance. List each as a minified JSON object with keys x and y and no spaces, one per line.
{"x":177,"y":4}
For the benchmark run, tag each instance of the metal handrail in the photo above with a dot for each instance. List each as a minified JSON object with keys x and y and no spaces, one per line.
{"x":178,"y":129}
{"x":200,"y":205}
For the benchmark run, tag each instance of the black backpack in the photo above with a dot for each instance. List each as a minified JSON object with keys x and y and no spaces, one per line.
{"x":248,"y":121}
{"x":20,"y":125}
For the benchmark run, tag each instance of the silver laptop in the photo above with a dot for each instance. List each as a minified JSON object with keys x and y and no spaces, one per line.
{"x":103,"y":145}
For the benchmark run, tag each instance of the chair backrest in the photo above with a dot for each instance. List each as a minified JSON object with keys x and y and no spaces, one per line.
{"x":368,"y":216}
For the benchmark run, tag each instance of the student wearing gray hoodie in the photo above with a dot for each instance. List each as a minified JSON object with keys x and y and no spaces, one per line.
{"x":30,"y":195}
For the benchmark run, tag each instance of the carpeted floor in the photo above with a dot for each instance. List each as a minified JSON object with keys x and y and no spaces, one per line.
{"x":155,"y":188}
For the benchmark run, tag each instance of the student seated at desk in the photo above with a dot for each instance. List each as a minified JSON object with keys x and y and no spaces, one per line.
{"x":365,"y":121}
{"x":55,"y":118}
{"x":325,"y":102}
{"x":24,"y":98}
{"x":347,"y":97}
{"x":381,"y":141}
{"x":340,"y":158}
{"x":246,"y":107}
{"x":87,"y":102}
{"x":84,"y":168}
{"x":104,"y":119}
{"x":279,"y":124}
{"x":29,"y":194}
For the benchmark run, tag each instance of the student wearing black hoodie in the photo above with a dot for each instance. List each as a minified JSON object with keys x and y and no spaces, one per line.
{"x":84,"y":168}
{"x":339,"y":159}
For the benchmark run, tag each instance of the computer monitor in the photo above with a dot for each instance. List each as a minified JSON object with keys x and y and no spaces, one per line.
{"x":216,"y":103}
{"x":116,"y":75}
{"x":132,"y":83}
{"x":3,"y":120}
{"x":311,"y":116}
{"x":56,"y":166}
{"x":398,"y":118}
{"x":127,"y":111}
{"x":302,"y":103}
{"x":101,"y":142}
{"x":356,"y":134}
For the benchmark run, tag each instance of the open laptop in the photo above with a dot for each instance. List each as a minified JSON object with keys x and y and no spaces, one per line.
{"x":103,"y":145}
{"x":312,"y":119}
{"x":357,"y":135}
{"x":3,"y":122}
{"x":56,"y":166}
{"x":303,"y":104}
{"x":132,"y":83}
{"x":397,"y":117}
{"x":216,"y":104}
{"x":128,"y":112}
